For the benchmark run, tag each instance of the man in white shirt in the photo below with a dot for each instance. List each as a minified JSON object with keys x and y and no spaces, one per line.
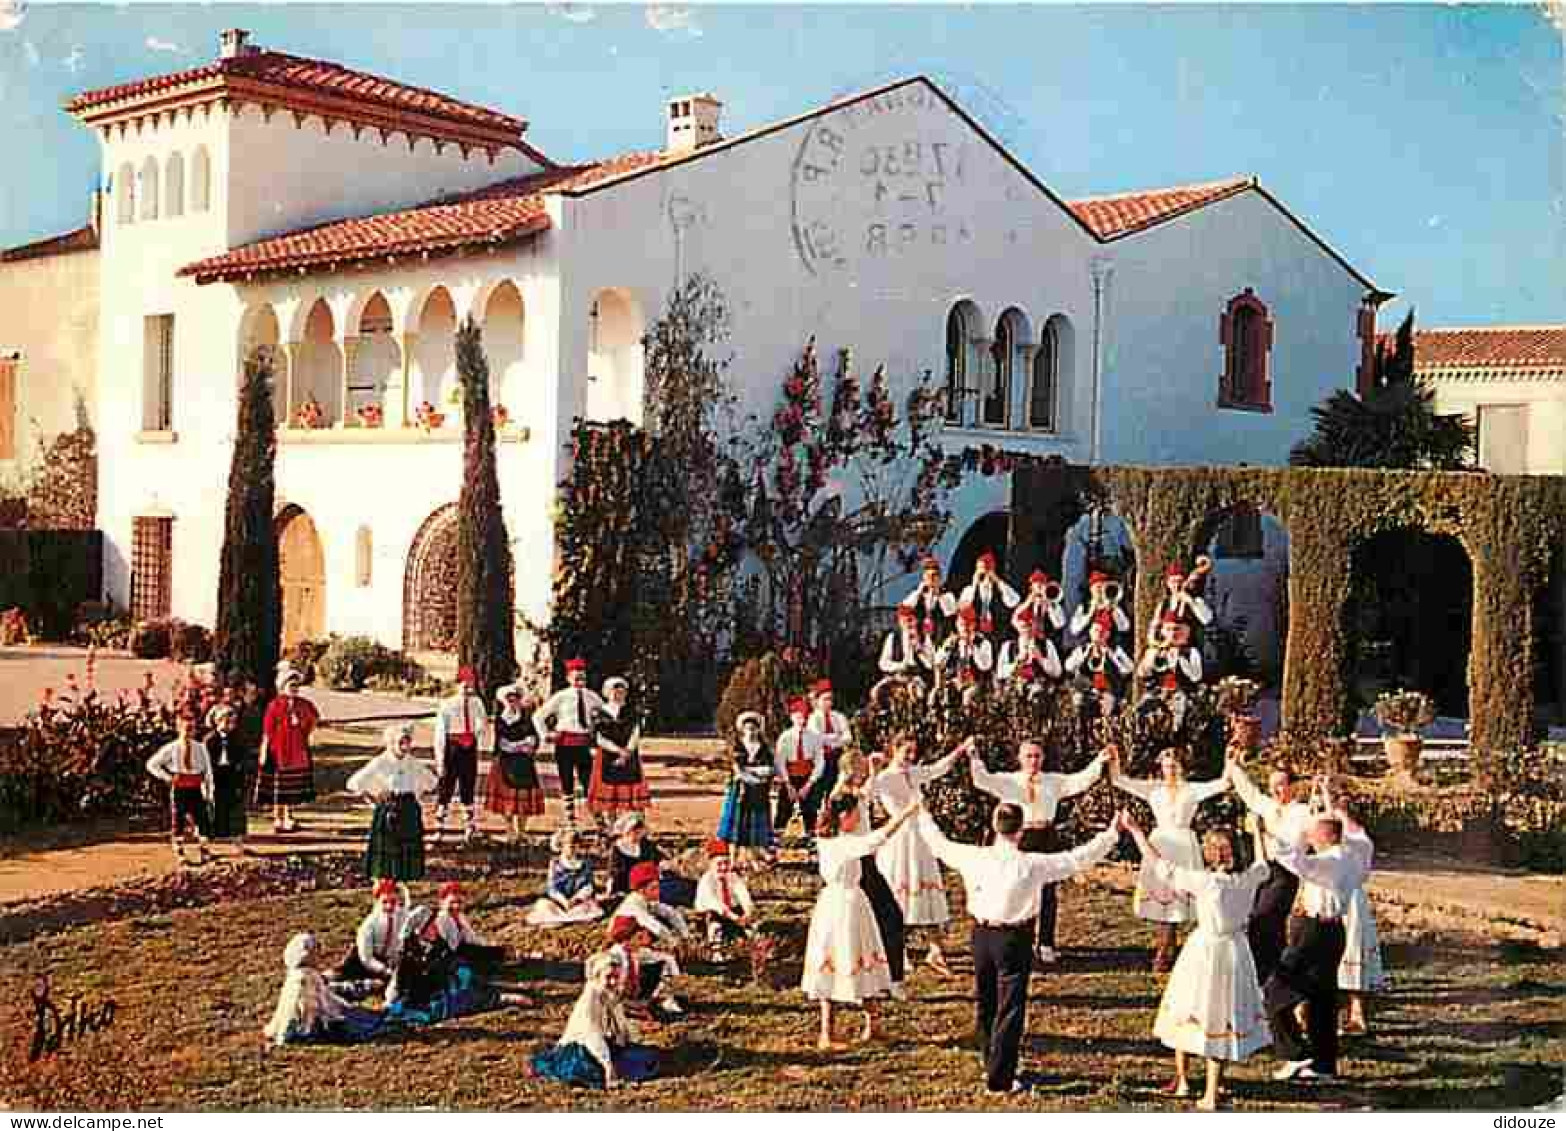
{"x":799,"y":765}
{"x":933,"y":605}
{"x":1038,"y":795}
{"x":832,"y":731}
{"x":1285,"y":821}
{"x":571,"y":710}
{"x":966,"y":660}
{"x":907,"y":658}
{"x":460,"y":727}
{"x":1308,"y":970}
{"x":989,"y":597}
{"x":1003,"y":885}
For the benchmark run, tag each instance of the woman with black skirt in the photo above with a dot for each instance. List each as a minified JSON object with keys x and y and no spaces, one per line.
{"x":232,"y":763}
{"x":394,"y":779}
{"x":883,"y":901}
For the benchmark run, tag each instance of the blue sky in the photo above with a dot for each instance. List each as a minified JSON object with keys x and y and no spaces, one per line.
{"x":1424,"y":142}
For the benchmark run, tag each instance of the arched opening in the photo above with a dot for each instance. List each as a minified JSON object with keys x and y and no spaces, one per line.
{"x":1248,"y":592}
{"x":992,"y":534}
{"x":200,"y":180}
{"x":174,"y":186}
{"x":504,"y":346}
{"x":435,"y":356}
{"x":962,"y":323}
{"x":147,"y":189}
{"x":377,"y":362}
{"x":1051,"y":360}
{"x":257,"y":330}
{"x":429,"y":590}
{"x":614,"y":357}
{"x":1005,"y":363}
{"x":1549,"y":644}
{"x":1100,"y":541}
{"x":318,"y":377}
{"x":125,"y":194}
{"x":1408,"y":621}
{"x":301,"y":565}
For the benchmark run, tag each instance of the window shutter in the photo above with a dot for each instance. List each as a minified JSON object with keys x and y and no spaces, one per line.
{"x":8,"y":369}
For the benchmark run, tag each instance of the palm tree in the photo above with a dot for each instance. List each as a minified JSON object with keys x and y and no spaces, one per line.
{"x":1394,"y":425}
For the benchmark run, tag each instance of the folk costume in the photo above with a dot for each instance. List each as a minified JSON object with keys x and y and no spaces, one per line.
{"x":287,"y":774}
{"x":746,"y":819}
{"x":1040,"y":615}
{"x":458,"y":932}
{"x":377,"y":944}
{"x":967,"y":659}
{"x":723,"y":899}
{"x":631,"y":847}
{"x":906,"y":860}
{"x":1171,"y":670}
{"x":1101,"y":667}
{"x":430,"y":983}
{"x":461,"y":728}
{"x":1361,"y":971}
{"x":663,"y":921}
{"x":1285,"y":824}
{"x":1212,"y":1005}
{"x":1038,"y":795}
{"x":935,"y":608}
{"x":884,"y":906}
{"x":233,"y":763}
{"x":184,"y":765}
{"x":646,"y":975}
{"x":1029,"y":661}
{"x":1173,"y":809}
{"x":845,"y":959}
{"x":395,"y":780}
{"x":1099,"y":605}
{"x":566,"y":720}
{"x":798,"y":764}
{"x":598,"y":1048}
{"x":570,"y":896}
{"x":907,"y":657}
{"x":990,"y":598}
{"x":832,"y":731}
{"x":511,"y":788}
{"x":619,"y":784}
{"x":308,"y":1011}
{"x":1179,"y":602}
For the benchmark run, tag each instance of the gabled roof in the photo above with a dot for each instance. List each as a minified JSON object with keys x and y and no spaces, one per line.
{"x":501,"y":213}
{"x":312,"y":85}
{"x":82,"y":239}
{"x":1491,"y":353}
{"x":1122,"y":214}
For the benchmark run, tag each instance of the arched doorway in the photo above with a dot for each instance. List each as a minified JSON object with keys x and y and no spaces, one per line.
{"x":1408,"y":621}
{"x":991,"y":533}
{"x":1100,"y":540}
{"x":615,"y":375}
{"x":301,"y":564}
{"x":1248,"y":591}
{"x":429,"y":590}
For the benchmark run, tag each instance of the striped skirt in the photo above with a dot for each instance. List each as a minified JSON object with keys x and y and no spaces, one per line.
{"x":746,"y":819}
{"x":285,"y":787}
{"x":396,"y":840}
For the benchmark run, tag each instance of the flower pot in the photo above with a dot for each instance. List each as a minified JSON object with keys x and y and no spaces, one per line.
{"x":1245,"y":731}
{"x":1402,"y":752}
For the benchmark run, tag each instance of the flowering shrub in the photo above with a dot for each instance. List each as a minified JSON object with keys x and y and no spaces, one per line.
{"x":499,"y":415}
{"x":370,"y":415}
{"x":1237,"y":696}
{"x":1404,"y":711}
{"x":14,"y":628}
{"x":428,"y":417}
{"x":309,"y":414}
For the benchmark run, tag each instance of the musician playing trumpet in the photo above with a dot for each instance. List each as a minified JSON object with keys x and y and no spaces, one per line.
{"x":907,"y":656}
{"x":1182,"y":598}
{"x":1105,"y":596}
{"x":966,"y":660}
{"x":1103,"y":665}
{"x":1043,"y":604}
{"x":934,"y":607}
{"x":989,"y":597}
{"x":1030,"y":659}
{"x":1171,"y":668}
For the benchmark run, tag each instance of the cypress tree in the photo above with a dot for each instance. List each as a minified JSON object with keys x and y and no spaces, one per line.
{"x":485,"y":617}
{"x":249,"y":630}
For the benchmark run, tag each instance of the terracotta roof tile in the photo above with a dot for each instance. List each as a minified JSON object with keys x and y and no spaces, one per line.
{"x":500,"y":213}
{"x":1124,"y":213}
{"x":1526,"y":350}
{"x":290,"y":72}
{"x":82,"y":239}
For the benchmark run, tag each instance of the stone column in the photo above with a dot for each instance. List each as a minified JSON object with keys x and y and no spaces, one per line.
{"x":399,"y":410}
{"x":350,"y":348}
{"x":290,"y":355}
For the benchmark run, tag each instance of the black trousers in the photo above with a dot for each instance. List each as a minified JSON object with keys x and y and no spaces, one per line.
{"x":1269,"y":926}
{"x":1308,"y":972}
{"x":1043,"y":840}
{"x":809,"y":807}
{"x":458,"y":774}
{"x":888,"y":916}
{"x":188,"y":804}
{"x":573,"y":764}
{"x":1002,"y":961}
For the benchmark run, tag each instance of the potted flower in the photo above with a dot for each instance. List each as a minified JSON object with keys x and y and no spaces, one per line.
{"x":370,"y":415}
{"x":1237,"y":702}
{"x":309,"y":414}
{"x":1401,"y":713}
{"x":500,"y":415}
{"x":428,"y":417}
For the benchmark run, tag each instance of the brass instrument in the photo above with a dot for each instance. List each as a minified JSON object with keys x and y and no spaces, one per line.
{"x":1198,"y":575}
{"x":1114,"y":592}
{"x":1053,"y":592}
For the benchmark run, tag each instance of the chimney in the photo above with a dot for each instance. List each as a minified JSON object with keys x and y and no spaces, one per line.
{"x":693,"y":122}
{"x":236,"y":44}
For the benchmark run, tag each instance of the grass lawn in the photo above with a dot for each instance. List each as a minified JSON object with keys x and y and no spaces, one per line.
{"x":1468,"y":1027}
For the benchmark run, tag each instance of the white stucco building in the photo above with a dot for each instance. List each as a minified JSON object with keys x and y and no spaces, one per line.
{"x":354,"y":222}
{"x":1510,"y":381}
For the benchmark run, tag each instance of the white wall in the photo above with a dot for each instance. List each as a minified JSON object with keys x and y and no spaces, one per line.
{"x":1163,"y":357}
{"x":1546,"y":402}
{"x":49,"y":312}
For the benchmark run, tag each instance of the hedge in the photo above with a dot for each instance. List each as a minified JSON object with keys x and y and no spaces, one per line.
{"x":48,"y":574}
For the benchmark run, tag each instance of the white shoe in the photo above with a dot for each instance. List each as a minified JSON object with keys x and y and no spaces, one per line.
{"x":898,"y":992}
{"x":1309,"y":1073}
{"x":670,"y":1005}
{"x":1046,"y":955}
{"x":1289,"y":1069}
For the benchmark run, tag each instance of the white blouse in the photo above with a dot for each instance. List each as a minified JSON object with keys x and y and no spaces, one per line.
{"x":1223,"y":899}
{"x":1172,"y":808}
{"x":709,"y":894}
{"x":393,"y":773}
{"x":182,"y":758}
{"x":378,"y":941}
{"x":1039,"y":795}
{"x":840,"y":855}
{"x":896,"y":789}
{"x":598,"y":1020}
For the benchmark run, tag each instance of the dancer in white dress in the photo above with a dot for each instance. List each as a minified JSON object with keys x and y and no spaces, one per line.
{"x":1174,"y":801}
{"x":844,"y":958}
{"x":1212,"y":1006}
{"x":906,"y":860}
{"x":1361,"y":971}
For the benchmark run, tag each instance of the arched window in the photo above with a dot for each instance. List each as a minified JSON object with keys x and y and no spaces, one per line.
{"x":125,"y":193}
{"x":147,"y":190}
{"x":956,"y":362}
{"x":1245,"y":330}
{"x":174,"y":186}
{"x":994,"y":409}
{"x":1045,"y":380}
{"x":200,"y":180}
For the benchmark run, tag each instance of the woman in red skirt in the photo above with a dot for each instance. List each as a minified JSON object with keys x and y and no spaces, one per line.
{"x":512,"y":789}
{"x":287,"y":776}
{"x":618,"y":784}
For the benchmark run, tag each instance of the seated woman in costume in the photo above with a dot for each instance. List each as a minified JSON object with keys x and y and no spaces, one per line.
{"x":571,"y":896}
{"x":432,"y":984}
{"x":598,"y":1048}
{"x":307,"y":1009}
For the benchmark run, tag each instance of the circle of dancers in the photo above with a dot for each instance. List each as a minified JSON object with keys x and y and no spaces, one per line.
{"x":1273,"y":945}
